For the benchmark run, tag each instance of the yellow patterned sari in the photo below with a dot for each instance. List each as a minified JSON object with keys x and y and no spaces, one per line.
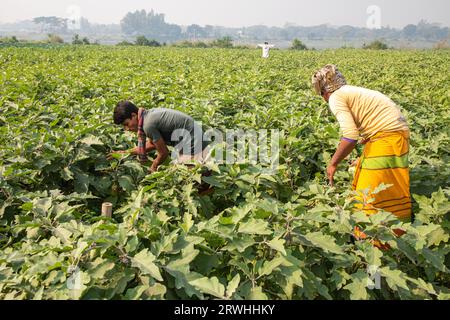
{"x":385,"y":160}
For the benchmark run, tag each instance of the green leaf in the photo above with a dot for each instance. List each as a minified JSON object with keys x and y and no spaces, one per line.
{"x":381,"y":187}
{"x":62,"y":234}
{"x":395,"y":278}
{"x":382,"y":217}
{"x":435,"y":258}
{"x":278,"y":245}
{"x":358,"y":286}
{"x":420,"y":283}
{"x":254,"y":226}
{"x":99,"y":268}
{"x":325,"y":242}
{"x":42,"y":206}
{"x":126,"y":183}
{"x":66,"y":174}
{"x":240,"y":243}
{"x":437,"y":236}
{"x":213,"y":182}
{"x":92,"y":140}
{"x":81,"y":183}
{"x":187,"y":222}
{"x":339,"y":278}
{"x":233,"y":285}
{"x":135,"y":293}
{"x":291,"y":278}
{"x":237,"y":214}
{"x":188,"y":256}
{"x":257,"y":293}
{"x":210,"y":286}
{"x":144,"y":262}
{"x":268,"y":205}
{"x":269,"y":266}
{"x":372,"y":254}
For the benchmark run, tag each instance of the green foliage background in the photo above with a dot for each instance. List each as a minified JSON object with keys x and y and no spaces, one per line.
{"x":258,"y":236}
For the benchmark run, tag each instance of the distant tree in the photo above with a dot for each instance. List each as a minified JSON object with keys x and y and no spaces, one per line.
{"x":125,"y":43}
{"x":76,"y":40}
{"x":209,"y":31}
{"x":376,"y":45}
{"x":225,"y":42}
{"x":410,"y":31}
{"x":441,"y":45}
{"x":191,"y":44}
{"x":54,"y":38}
{"x":13,"y":39}
{"x":298,"y":45}
{"x":151,"y":25}
{"x":52,"y":24}
{"x":195,"y":31}
{"x":143,"y":41}
{"x":346,"y":32}
{"x":154,"y":43}
{"x":86,"y":41}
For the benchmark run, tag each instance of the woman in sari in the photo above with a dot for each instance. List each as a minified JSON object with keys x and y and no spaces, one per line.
{"x":373,"y":117}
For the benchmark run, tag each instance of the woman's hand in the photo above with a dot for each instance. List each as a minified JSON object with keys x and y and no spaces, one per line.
{"x":331,"y":170}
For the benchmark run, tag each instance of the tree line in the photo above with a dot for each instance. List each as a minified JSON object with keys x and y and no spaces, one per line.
{"x":154,"y":26}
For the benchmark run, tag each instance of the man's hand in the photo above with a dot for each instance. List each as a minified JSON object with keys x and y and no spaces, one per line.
{"x":162,"y":154}
{"x":331,"y":170}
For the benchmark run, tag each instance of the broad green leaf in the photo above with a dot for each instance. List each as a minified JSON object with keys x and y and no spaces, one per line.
{"x":278,"y":245}
{"x":372,"y":254}
{"x":135,"y":293}
{"x":254,"y":226}
{"x":187,"y":222}
{"x":395,"y":278}
{"x":293,"y":278}
{"x":210,"y":286}
{"x":358,"y":286}
{"x":325,"y":242}
{"x":381,"y":187}
{"x":82,"y":183}
{"x":435,"y":258}
{"x":92,"y":140}
{"x":213,"y":181}
{"x":269,"y":266}
{"x":188,"y":256}
{"x":42,"y":206}
{"x":257,"y":293}
{"x":233,"y":285}
{"x":268,"y":205}
{"x":240,"y":243}
{"x":126,"y":182}
{"x":144,"y":261}
{"x":157,"y":290}
{"x":99,"y":268}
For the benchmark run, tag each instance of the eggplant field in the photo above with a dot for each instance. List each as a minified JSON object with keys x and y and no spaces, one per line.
{"x":258,"y":234}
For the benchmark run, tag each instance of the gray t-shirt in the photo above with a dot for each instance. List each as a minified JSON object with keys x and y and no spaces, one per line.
{"x":176,"y":128}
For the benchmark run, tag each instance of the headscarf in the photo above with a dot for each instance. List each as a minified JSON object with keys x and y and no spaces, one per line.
{"x":328,"y":79}
{"x":142,"y":137}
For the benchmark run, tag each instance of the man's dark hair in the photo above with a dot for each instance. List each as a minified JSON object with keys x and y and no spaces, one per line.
{"x":266,"y":42}
{"x":123,"y":111}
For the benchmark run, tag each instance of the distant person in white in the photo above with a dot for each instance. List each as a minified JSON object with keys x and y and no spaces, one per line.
{"x":265,"y":49}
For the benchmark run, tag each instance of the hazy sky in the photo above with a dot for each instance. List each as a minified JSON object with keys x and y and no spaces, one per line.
{"x":238,"y":13}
